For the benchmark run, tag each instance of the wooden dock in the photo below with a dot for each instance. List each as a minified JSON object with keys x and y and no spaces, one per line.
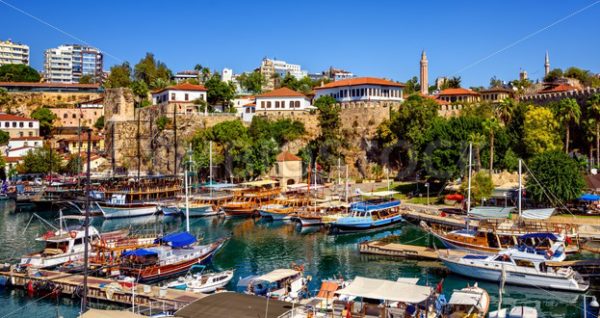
{"x":152,"y":299}
{"x":398,"y":250}
{"x":450,"y":221}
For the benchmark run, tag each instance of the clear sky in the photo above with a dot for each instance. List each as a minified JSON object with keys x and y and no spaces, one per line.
{"x":369,"y":38}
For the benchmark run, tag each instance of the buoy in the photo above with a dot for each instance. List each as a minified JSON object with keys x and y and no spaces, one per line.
{"x":73,"y":234}
{"x":30,"y":288}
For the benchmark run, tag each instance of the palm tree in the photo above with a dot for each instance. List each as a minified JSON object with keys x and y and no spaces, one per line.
{"x":477,"y":139}
{"x":567,"y":112}
{"x":504,"y":110}
{"x":491,"y":125}
{"x":594,"y":108}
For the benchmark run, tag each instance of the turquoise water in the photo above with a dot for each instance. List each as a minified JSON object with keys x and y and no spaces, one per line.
{"x":258,"y":246}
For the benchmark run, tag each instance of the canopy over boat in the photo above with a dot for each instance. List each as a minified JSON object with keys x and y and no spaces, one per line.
{"x":277,"y":275}
{"x":378,"y":194}
{"x":544,"y":235}
{"x":386,"y":290}
{"x":467,"y":298}
{"x":537,"y":214}
{"x":589,"y":197}
{"x":303,"y":187}
{"x":140,"y":252}
{"x":178,"y":239}
{"x":218,"y":186}
{"x":328,"y":288}
{"x":485,"y":212}
{"x":259,"y":183}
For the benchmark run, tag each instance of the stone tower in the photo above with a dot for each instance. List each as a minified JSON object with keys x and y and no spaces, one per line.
{"x":424,"y":74}
{"x":546,"y":65}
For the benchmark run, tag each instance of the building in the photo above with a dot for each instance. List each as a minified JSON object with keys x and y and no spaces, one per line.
{"x":68,"y":63}
{"x":85,"y":116}
{"x":227,"y":75}
{"x":287,"y":169}
{"x":183,"y":76}
{"x":17,"y":126}
{"x":184,"y":94}
{"x":495,"y":94}
{"x":248,"y":111}
{"x":29,"y":87}
{"x":272,"y":70}
{"x":460,"y":95}
{"x":546,"y":65}
{"x":439,"y":82}
{"x":72,"y":145}
{"x":336,"y":74}
{"x":282,"y":100}
{"x":20,"y":146}
{"x":13,"y":53}
{"x":424,"y":74}
{"x":362,"y":89}
{"x":522,"y":75}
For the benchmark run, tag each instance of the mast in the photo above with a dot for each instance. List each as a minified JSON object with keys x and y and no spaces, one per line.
{"x":175,"y":137}
{"x":187,"y":195}
{"x":339,"y":172}
{"x":308,"y":178}
{"x":469,"y":185}
{"x":86,"y":224}
{"x":346,"y":185}
{"x":139,"y":157}
{"x":520,"y":187}
{"x":210,"y":172}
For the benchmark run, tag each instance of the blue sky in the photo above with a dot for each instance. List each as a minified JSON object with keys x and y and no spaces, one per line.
{"x":369,"y":38}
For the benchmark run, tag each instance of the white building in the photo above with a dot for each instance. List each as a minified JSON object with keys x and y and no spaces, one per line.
{"x":13,"y":53}
{"x":270,"y":67}
{"x":68,"y":63}
{"x":282,"y":100}
{"x":227,"y":75}
{"x":184,"y":93}
{"x":19,"y":146}
{"x":17,"y":126}
{"x":248,"y":111}
{"x":242,"y":101}
{"x":364,"y":89}
{"x":186,"y":75}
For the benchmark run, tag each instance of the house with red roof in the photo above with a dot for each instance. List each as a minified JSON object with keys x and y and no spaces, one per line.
{"x":460,"y":95}
{"x":362,"y":89}
{"x":282,"y":100}
{"x":183,"y":94}
{"x":287,"y":169}
{"x":19,"y":126}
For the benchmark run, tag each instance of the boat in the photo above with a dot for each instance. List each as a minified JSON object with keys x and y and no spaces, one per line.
{"x":118,"y":208}
{"x":514,"y":269}
{"x":61,"y":246}
{"x":369,"y":214}
{"x":282,"y":209}
{"x":202,"y":282}
{"x":177,"y":253}
{"x":283,"y":284}
{"x":199,"y":209}
{"x":515,"y":312}
{"x":369,"y":297}
{"x":246,"y":201}
{"x":170,"y":210}
{"x":471,"y":301}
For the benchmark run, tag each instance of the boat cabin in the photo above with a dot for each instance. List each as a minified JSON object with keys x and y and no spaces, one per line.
{"x":279,"y":283}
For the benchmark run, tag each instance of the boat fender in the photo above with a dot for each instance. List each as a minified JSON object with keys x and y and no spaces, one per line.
{"x":549,"y":253}
{"x":73,"y":234}
{"x":30,"y":288}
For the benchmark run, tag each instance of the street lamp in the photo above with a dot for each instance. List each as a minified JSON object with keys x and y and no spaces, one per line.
{"x":593,"y":304}
{"x":427,"y":186}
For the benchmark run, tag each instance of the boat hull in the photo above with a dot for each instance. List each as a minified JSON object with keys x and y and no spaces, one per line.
{"x":232,"y":213}
{"x":201,"y":211}
{"x":274,"y":215}
{"x":113,"y":212}
{"x":312,"y":221}
{"x":352,"y":224}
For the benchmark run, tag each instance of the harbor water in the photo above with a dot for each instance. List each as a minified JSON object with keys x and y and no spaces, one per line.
{"x":258,"y":246}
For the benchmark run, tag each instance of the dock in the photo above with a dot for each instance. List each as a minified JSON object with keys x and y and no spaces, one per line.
{"x":414,"y":215}
{"x":152,"y":299}
{"x":399,"y":250}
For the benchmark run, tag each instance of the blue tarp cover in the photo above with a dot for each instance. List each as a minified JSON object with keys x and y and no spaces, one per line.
{"x":371,"y":206}
{"x":544,"y":235}
{"x":139,"y":252}
{"x":179,"y":239}
{"x":590,"y":197}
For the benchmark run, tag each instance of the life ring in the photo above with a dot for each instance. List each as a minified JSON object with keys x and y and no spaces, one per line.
{"x":73,"y":234}
{"x":549,"y":253}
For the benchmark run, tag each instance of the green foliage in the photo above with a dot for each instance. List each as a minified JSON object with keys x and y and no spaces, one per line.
{"x":252,"y":82}
{"x":453,"y":82}
{"x":496,"y":82}
{"x":558,"y":174}
{"x":46,"y":119}
{"x":99,"y":124}
{"x":74,"y":165}
{"x":119,"y":76}
{"x":40,"y":160}
{"x":282,"y":130}
{"x":4,"y":137}
{"x":585,"y":77}
{"x":510,"y":161}
{"x":139,"y":89}
{"x":152,"y":72}
{"x":553,"y":75}
{"x":328,"y":146}
{"x":481,"y":187}
{"x":303,"y":85}
{"x":162,"y":122}
{"x":540,"y":131}
{"x":18,"y":73}
{"x":567,"y":111}
{"x":87,"y":79}
{"x":412,"y":86}
{"x":219,"y":92}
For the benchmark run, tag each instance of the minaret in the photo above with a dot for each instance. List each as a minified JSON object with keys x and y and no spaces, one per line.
{"x":424,"y":73}
{"x":546,"y":65}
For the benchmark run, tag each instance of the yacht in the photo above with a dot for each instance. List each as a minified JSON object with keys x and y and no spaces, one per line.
{"x":284,"y":284}
{"x":200,"y":282}
{"x":471,"y":301}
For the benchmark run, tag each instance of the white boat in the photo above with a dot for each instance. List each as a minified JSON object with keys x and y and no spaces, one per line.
{"x":61,"y":246}
{"x":284,"y":284}
{"x":117,"y":207}
{"x":515,"y":312}
{"x":276,"y":211}
{"x":471,"y":301}
{"x":202,"y":282}
{"x":514,"y":270}
{"x":556,"y":251}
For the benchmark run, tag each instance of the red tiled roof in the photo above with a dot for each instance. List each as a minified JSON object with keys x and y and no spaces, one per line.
{"x":282,"y":92}
{"x":50,"y":85}
{"x":19,"y":148}
{"x":360,"y":81}
{"x":287,"y":156}
{"x":559,"y":88}
{"x":26,"y":138}
{"x":6,"y":117}
{"x":13,"y":159}
{"x":249,"y":105}
{"x":457,"y":92}
{"x":183,"y":87}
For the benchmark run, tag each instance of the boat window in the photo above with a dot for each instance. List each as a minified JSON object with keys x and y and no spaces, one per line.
{"x":78,"y":241}
{"x":524,"y":263}
{"x":503,"y":258}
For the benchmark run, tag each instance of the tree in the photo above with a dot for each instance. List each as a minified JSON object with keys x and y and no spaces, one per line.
{"x":553,"y":75}
{"x":99,"y":124}
{"x":567,"y":112}
{"x":40,"y":160}
{"x":148,"y":70}
{"x":594,"y":109}
{"x":4,"y":137}
{"x":252,"y":82}
{"x":496,"y":82}
{"x":5,"y":98}
{"x":74,"y":165}
{"x":86,"y":79}
{"x":140,"y":90}
{"x":219,"y":92}
{"x":452,"y":82}
{"x":504,"y":110}
{"x":327,"y":147}
{"x":162,"y":122}
{"x":412,"y":86}
{"x":585,"y":77}
{"x":46,"y":119}
{"x":540,"y":131}
{"x":119,"y":76}
{"x":481,"y":186}
{"x":557,"y":174}
{"x":18,"y":73}
{"x":491,"y":125}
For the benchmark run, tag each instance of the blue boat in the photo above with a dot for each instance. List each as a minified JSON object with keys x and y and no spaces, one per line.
{"x":381,"y":211}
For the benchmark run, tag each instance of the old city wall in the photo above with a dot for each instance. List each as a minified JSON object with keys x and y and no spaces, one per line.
{"x":25,"y":102}
{"x":580,"y":95}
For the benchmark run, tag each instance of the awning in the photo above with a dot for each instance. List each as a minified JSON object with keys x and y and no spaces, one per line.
{"x":589,"y":197}
{"x":140,"y":252}
{"x":259,"y":183}
{"x":97,"y":313}
{"x":467,"y":298}
{"x":377,"y":193}
{"x":179,"y":239}
{"x":328,"y":288}
{"x":219,"y":185}
{"x":537,"y":214}
{"x":486,"y":212}
{"x":386,"y":290}
{"x":277,"y":275}
{"x":550,"y":236}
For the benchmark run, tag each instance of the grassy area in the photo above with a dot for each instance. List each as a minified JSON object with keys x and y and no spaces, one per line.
{"x":409,"y":192}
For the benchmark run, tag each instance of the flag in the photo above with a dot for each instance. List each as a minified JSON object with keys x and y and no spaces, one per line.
{"x":439,"y":286}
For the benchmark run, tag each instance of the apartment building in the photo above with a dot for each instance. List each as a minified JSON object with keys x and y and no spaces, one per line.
{"x":13,"y":53}
{"x":68,"y":63}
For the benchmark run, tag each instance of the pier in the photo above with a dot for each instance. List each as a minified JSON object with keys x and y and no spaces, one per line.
{"x":151,"y":299}
{"x":399,"y":250}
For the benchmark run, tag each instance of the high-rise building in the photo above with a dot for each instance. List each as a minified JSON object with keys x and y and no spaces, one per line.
{"x":68,"y":63}
{"x":424,"y":74}
{"x":13,"y":53}
{"x":270,"y":67}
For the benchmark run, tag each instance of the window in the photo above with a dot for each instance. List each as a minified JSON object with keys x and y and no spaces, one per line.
{"x":31,"y":134}
{"x":282,"y":104}
{"x":172,"y":96}
{"x":297,"y":104}
{"x":65,"y":115}
{"x":262,"y":104}
{"x":187,"y":97}
{"x":6,"y":124}
{"x":21,"y":124}
{"x":74,"y":116}
{"x":20,"y":134}
{"x":268,"y":104}
{"x":14,"y":124}
{"x":277,"y":104}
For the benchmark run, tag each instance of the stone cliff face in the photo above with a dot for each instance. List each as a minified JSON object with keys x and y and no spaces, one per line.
{"x":24,"y":103}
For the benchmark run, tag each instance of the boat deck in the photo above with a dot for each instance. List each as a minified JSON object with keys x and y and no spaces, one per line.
{"x":103,"y":289}
{"x":399,"y":250}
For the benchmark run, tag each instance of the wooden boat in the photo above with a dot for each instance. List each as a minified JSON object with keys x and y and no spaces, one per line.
{"x":283,"y":209}
{"x":201,"y":282}
{"x":369,"y":214}
{"x":322,"y":213}
{"x":247,"y":201}
{"x":117,"y":207}
{"x":177,"y":254}
{"x":470,"y":301}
